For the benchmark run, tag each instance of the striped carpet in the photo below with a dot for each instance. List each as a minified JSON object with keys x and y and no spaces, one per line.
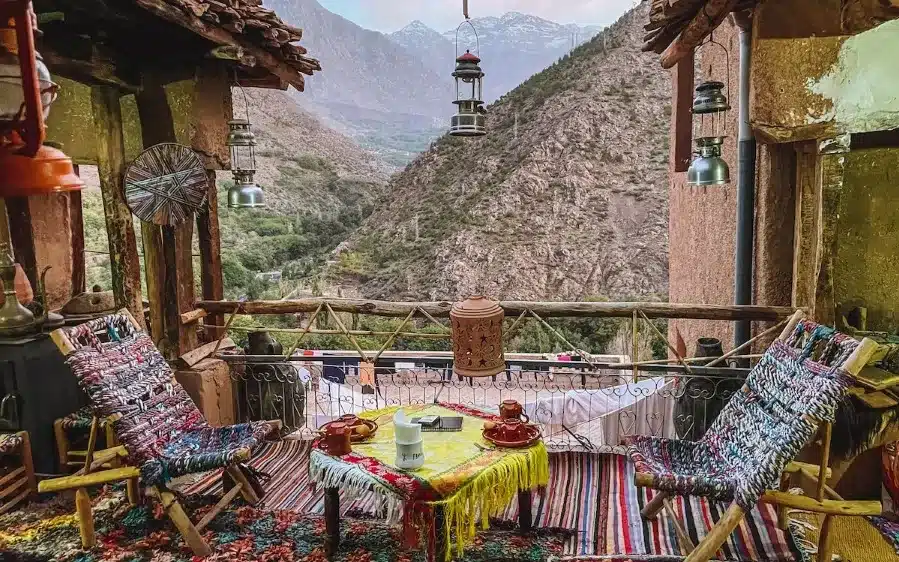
{"x":591,"y":494}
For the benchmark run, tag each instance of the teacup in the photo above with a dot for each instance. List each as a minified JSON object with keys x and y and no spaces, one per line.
{"x":512,"y":430}
{"x":350,"y":420}
{"x":511,"y":409}
{"x":336,"y":440}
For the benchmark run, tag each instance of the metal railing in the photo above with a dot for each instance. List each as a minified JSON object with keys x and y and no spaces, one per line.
{"x":578,"y":406}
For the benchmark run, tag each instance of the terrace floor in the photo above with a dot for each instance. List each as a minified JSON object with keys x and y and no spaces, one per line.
{"x":590,"y":508}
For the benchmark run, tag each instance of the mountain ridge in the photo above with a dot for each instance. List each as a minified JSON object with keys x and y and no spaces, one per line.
{"x":566,"y":196}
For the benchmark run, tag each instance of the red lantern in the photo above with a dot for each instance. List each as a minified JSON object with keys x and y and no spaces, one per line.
{"x":21,"y":116}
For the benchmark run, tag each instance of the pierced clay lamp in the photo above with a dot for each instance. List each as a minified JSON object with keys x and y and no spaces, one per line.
{"x":477,"y":326}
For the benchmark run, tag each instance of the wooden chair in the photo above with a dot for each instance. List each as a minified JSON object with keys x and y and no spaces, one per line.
{"x":18,"y":483}
{"x":74,"y":430}
{"x":162,"y":433}
{"x":748,"y":454}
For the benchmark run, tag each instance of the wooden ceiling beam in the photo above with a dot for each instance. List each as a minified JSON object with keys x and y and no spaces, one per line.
{"x":220,"y":36}
{"x":98,"y":70}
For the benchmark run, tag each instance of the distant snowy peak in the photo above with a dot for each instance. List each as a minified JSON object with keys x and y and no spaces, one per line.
{"x":529,"y":31}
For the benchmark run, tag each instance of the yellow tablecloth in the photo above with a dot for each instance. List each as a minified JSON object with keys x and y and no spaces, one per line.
{"x":470,"y":483}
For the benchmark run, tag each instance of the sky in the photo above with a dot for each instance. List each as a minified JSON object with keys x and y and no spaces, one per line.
{"x":442,"y":15}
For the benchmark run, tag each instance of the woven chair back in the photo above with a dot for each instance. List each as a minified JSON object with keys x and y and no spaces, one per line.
{"x":126,"y":377}
{"x":777,"y":411}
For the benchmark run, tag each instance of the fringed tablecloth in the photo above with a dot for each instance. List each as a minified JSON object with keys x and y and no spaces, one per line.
{"x":470,"y":483}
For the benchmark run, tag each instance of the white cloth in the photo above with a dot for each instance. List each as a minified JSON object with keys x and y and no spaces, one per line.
{"x":607,"y":415}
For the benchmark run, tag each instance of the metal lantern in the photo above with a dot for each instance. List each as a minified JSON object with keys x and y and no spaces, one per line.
{"x":710,"y":109}
{"x":242,"y":144}
{"x":477,"y":329}
{"x":26,"y":89}
{"x":470,"y":119}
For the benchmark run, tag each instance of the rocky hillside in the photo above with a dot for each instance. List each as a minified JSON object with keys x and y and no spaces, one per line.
{"x":301,"y":161}
{"x":566,"y":197}
{"x":514,"y":46}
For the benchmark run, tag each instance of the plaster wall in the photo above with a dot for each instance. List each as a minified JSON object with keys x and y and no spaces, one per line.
{"x":866,"y":262}
{"x":702,"y":225}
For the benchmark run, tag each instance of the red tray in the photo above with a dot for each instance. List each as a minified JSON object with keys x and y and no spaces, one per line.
{"x":355,"y":437}
{"x":532,"y":432}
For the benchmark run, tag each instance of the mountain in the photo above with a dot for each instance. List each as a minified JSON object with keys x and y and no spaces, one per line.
{"x":435,"y":50}
{"x":566,"y":196}
{"x":513,"y":47}
{"x":298,"y":157}
{"x":370,"y":88}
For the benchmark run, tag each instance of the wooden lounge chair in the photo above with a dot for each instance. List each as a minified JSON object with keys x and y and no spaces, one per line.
{"x":18,"y":482}
{"x":749,"y":452}
{"x":162,"y":433}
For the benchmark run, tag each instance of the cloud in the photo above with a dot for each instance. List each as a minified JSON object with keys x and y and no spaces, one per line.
{"x":390,"y":15}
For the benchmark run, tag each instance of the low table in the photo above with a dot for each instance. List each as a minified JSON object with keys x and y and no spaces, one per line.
{"x":447,"y":492}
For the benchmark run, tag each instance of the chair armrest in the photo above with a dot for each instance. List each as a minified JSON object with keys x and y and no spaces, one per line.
{"x":92,"y":479}
{"x":830,"y":507}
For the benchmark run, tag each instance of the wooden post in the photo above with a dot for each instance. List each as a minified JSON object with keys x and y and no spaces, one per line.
{"x":76,"y":224}
{"x":682,"y":113}
{"x":525,"y":511}
{"x":211,"y":256}
{"x":211,"y":112}
{"x":167,"y":250}
{"x":332,"y":521}
{"x":119,"y":225}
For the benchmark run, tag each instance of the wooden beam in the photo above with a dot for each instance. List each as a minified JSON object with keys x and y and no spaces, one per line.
{"x":76,"y":224}
{"x":99,"y":70}
{"x":220,"y":36}
{"x":157,"y":126}
{"x":119,"y":224}
{"x":832,"y":507}
{"x":212,"y":110}
{"x":833,"y":168}
{"x":704,"y":22}
{"x":682,"y":78}
{"x":511,"y":308}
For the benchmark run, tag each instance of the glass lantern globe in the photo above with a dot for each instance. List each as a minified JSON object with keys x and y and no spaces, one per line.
{"x":242,"y":144}
{"x":12,"y":95}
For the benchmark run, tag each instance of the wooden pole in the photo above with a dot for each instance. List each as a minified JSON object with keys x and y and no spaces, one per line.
{"x":211,"y":112}
{"x":512,"y":308}
{"x":156,"y":126}
{"x":76,"y":224}
{"x":123,"y":256}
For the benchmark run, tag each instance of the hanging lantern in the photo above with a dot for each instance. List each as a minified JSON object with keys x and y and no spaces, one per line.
{"x":242,"y":143}
{"x":26,"y":89}
{"x":477,"y":329}
{"x":48,"y":171}
{"x":470,"y":119}
{"x":710,"y":109}
{"x":710,"y":114}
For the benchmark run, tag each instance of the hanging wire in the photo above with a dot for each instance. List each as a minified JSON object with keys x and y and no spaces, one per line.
{"x":711,"y":41}
{"x":476,"y":38}
{"x":246,"y":100}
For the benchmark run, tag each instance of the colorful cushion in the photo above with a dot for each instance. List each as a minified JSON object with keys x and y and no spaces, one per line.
{"x":10,"y":443}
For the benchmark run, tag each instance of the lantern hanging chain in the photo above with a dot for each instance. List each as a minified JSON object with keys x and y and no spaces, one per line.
{"x":711,"y":41}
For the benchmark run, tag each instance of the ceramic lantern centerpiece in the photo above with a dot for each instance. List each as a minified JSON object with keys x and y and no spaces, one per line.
{"x":477,"y":327}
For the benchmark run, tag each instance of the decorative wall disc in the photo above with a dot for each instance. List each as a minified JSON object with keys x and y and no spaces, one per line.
{"x":166,"y":184}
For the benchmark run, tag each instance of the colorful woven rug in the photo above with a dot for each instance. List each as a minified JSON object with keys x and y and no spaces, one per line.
{"x":579,"y":498}
{"x":49,"y":532}
{"x":623,"y":531}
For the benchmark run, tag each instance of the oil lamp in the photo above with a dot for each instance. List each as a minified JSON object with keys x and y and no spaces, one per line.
{"x":470,"y":119}
{"x":710,"y":109}
{"x":26,"y":90}
{"x":242,"y":143}
{"x":477,"y":331}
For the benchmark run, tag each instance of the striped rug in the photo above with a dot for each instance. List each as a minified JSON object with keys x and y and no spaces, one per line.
{"x":591,"y":494}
